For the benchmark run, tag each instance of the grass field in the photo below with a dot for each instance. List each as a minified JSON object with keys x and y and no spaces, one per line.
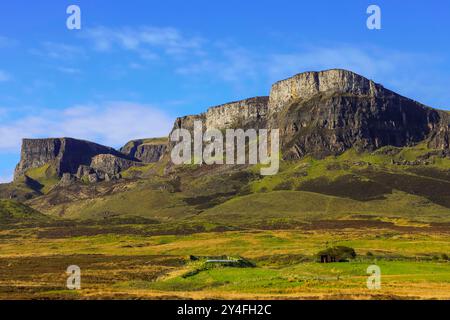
{"x":136,"y":264}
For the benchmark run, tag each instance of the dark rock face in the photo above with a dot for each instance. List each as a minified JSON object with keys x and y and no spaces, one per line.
{"x":149,"y":153}
{"x":330,"y":124}
{"x":440,"y":135}
{"x":146,"y":151}
{"x":67,"y":155}
{"x":36,"y":153}
{"x":76,"y":153}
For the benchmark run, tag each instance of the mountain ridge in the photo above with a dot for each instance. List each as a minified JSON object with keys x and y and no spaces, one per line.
{"x":319,"y":114}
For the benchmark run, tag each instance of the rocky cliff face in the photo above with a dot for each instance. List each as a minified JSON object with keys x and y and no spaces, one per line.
{"x":108,"y":166}
{"x":440,"y":135}
{"x":146,"y":150}
{"x":66,"y":154}
{"x":73,"y":159}
{"x":317,"y":113}
{"x":36,"y":153}
{"x":239,"y":114}
{"x":325,"y":113}
{"x":304,"y":86}
{"x":245,"y":113}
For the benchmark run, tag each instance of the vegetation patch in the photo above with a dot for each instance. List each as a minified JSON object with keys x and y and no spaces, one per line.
{"x":336,"y":254}
{"x":45,"y":176}
{"x":203,"y":263}
{"x":12,"y":212}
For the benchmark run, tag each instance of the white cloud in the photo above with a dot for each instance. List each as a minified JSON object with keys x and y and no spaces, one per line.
{"x":111,"y":124}
{"x":369,"y":61}
{"x":245,"y":67}
{"x":59,"y":51}
{"x":232,"y":65}
{"x":143,"y":40}
{"x":4,"y":76}
{"x":394,"y":69}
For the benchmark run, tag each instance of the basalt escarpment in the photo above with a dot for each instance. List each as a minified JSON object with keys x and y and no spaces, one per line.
{"x":317,"y":113}
{"x":328,"y":112}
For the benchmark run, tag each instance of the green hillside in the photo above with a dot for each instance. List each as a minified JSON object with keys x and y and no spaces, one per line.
{"x":14,"y":212}
{"x":390,"y":183}
{"x":307,"y":206}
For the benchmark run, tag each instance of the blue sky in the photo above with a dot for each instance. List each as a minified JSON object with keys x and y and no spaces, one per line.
{"x":136,"y":65}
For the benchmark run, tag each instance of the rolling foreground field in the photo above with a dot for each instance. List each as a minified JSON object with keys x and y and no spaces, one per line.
{"x":141,"y":262}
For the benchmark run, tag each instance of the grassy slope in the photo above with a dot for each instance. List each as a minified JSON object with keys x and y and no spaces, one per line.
{"x":351,"y":162}
{"x":19,"y":189}
{"x":307,"y":206}
{"x":143,"y":199}
{"x":308,"y":189}
{"x":46,"y":176}
{"x":15,"y":212}
{"x":151,"y":141}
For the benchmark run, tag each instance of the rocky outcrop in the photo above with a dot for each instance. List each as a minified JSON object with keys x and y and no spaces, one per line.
{"x":108,"y":166}
{"x":37,"y":152}
{"x":146,"y":150}
{"x":304,"y":86}
{"x":326,"y":113}
{"x":187,"y":122}
{"x":66,"y":180}
{"x":239,"y":114}
{"x":248,"y":113}
{"x":440,"y":135}
{"x":66,"y":154}
{"x":73,"y":159}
